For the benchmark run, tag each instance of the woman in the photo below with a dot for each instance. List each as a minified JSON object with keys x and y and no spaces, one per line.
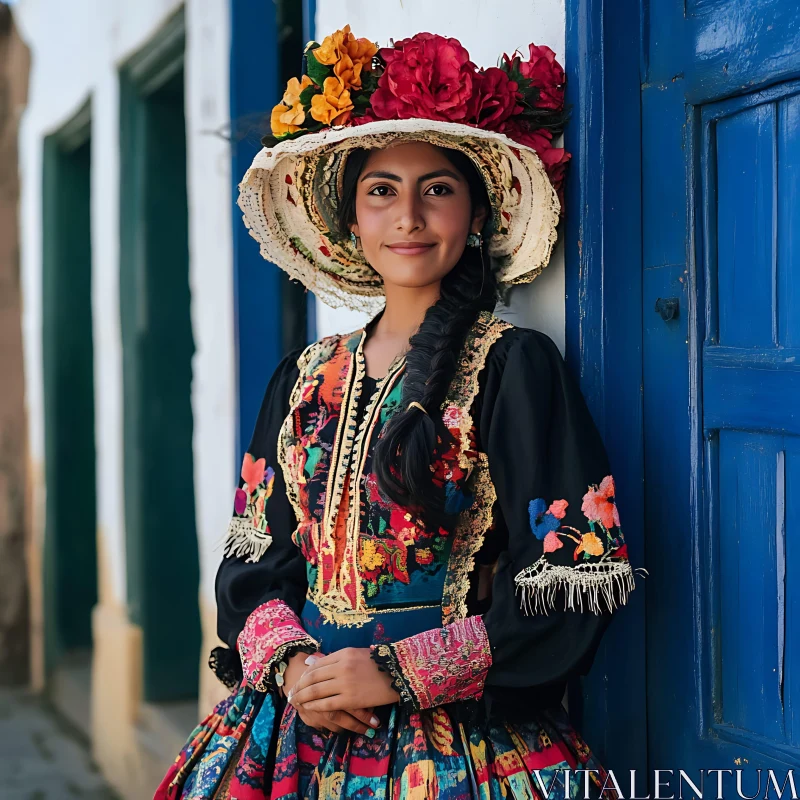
{"x":424,"y":545}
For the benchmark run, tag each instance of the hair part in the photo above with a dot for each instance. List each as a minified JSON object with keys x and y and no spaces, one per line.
{"x":407,"y":446}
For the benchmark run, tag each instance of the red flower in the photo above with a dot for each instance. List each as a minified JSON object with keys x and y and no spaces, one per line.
{"x":546,"y":74}
{"x":495,"y":97}
{"x":428,"y":76}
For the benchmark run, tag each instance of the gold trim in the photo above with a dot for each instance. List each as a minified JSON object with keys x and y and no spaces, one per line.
{"x":313,"y":353}
{"x":474,"y":522}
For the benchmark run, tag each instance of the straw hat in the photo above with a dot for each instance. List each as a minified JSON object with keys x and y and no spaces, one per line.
{"x":356,"y":95}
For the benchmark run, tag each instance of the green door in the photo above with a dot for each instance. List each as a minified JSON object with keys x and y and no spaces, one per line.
{"x":163,"y":567}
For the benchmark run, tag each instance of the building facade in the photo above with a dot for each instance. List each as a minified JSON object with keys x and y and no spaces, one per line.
{"x":151,"y":326}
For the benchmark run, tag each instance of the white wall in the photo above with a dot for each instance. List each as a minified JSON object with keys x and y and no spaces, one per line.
{"x":487,"y":30}
{"x":77,"y":48}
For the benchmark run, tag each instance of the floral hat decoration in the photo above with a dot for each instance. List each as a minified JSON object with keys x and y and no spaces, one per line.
{"x":354,"y":94}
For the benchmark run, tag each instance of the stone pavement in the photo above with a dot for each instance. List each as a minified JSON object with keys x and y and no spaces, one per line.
{"x":41,"y":757}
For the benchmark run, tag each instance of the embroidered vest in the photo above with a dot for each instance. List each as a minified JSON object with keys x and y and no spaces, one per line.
{"x":364,"y":552}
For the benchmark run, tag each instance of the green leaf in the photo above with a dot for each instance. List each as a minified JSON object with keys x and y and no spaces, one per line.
{"x":316,"y":71}
{"x":369,"y":81}
{"x":307,"y":94}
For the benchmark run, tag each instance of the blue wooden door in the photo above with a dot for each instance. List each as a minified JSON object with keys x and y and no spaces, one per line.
{"x":721,"y":294}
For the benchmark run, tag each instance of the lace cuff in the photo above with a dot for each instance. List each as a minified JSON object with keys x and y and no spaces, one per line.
{"x":273,"y":632}
{"x":442,"y":665}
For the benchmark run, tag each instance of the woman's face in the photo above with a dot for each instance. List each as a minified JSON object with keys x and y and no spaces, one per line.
{"x":413,"y":212}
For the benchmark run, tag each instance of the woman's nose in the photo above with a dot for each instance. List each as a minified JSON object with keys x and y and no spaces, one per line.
{"x":410,"y":215}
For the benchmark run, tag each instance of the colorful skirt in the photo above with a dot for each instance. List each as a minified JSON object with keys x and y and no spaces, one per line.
{"x":253,"y":746}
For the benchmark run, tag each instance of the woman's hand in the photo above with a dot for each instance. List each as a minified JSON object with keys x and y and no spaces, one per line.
{"x":358,"y":720}
{"x":347,"y":679}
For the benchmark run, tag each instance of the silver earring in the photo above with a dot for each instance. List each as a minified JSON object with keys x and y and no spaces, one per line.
{"x":353,"y":240}
{"x":474,"y":240}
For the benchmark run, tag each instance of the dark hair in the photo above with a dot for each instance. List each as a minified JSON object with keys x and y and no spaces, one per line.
{"x":405,"y":450}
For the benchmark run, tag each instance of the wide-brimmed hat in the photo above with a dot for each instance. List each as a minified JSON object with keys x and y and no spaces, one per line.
{"x":354,"y":95}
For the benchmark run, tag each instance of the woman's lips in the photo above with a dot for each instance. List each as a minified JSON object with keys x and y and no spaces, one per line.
{"x":409,"y":250}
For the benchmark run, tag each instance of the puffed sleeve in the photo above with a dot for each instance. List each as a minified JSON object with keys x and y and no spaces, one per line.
{"x":562,"y":566}
{"x":261,"y":583}
{"x":565,"y":569}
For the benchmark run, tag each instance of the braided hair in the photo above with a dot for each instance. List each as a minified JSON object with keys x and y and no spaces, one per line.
{"x":406,"y":448}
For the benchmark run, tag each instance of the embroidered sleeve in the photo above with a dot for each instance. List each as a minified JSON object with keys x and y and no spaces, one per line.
{"x":261,"y":563}
{"x":249,"y":533}
{"x":272,"y":633}
{"x":565,"y":569}
{"x":589,"y":563}
{"x":441,"y":665}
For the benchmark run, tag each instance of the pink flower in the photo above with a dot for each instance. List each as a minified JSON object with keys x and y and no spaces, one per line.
{"x":428,"y":76}
{"x":552,"y":542}
{"x":495,"y":97}
{"x":599,"y":503}
{"x":240,"y":502}
{"x":253,"y":471}
{"x":558,"y":508}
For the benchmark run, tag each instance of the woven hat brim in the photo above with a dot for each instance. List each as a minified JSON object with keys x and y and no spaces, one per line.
{"x":288,"y":198}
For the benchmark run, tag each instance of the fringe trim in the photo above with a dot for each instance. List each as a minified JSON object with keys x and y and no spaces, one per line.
{"x":595,"y":581}
{"x":244,"y":540}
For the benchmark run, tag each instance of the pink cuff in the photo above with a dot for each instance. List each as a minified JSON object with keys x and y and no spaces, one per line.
{"x":442,"y":665}
{"x":270,"y":633}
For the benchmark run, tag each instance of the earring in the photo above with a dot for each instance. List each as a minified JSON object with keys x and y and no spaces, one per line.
{"x":353,"y":240}
{"x":474,"y":240}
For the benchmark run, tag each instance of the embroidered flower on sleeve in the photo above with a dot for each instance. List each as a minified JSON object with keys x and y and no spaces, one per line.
{"x":248,"y":531}
{"x":600,"y":554}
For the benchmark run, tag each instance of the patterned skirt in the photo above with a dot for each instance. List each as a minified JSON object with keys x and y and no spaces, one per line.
{"x":255,"y":747}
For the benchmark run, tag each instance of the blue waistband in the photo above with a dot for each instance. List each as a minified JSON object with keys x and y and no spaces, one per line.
{"x":384,"y":625}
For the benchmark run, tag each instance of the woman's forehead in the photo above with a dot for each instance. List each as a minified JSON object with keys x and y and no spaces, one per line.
{"x":412,"y":156}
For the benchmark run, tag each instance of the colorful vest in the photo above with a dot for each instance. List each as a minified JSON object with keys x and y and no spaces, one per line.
{"x":365,"y":553}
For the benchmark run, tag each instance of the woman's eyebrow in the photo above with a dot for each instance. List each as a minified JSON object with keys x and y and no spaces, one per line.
{"x":390,"y":176}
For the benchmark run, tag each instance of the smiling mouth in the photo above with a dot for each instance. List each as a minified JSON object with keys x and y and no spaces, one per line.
{"x":410,"y":250}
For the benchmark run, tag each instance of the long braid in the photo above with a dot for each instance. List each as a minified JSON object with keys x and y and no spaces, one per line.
{"x":405,"y":449}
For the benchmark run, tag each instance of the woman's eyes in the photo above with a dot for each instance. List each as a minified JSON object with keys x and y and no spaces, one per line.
{"x":444,"y":186}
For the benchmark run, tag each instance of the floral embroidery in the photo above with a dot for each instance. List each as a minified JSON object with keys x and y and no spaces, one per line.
{"x":269,"y":634}
{"x":442,"y":665}
{"x":248,"y":531}
{"x":604,"y":565}
{"x":363,"y":546}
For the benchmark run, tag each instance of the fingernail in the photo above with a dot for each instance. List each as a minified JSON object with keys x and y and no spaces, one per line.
{"x":289,"y":696}
{"x":370,"y":732}
{"x":310,"y":660}
{"x":374,"y":721}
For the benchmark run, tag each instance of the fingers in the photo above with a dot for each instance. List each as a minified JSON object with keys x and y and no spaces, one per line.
{"x":365,"y":715}
{"x":314,"y":675}
{"x":305,"y":691}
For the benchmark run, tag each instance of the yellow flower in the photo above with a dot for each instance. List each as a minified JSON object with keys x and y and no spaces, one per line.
{"x":370,"y":557}
{"x":333,"y":106}
{"x":347,"y":55}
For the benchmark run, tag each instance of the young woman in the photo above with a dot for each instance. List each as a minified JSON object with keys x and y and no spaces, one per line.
{"x":424,"y":544}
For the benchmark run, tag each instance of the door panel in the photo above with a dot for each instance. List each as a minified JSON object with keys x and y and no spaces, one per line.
{"x":721,"y":158}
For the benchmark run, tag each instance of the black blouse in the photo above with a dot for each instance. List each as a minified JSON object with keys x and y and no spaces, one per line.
{"x":541,"y":441}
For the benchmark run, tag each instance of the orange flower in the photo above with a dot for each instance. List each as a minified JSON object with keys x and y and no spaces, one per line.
{"x":347,"y":55}
{"x":288,"y":116}
{"x":286,"y":120}
{"x":294,"y":88}
{"x":590,"y":544}
{"x":333,"y":106}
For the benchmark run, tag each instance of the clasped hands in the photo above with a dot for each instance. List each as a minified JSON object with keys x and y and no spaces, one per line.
{"x":338,"y":692}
